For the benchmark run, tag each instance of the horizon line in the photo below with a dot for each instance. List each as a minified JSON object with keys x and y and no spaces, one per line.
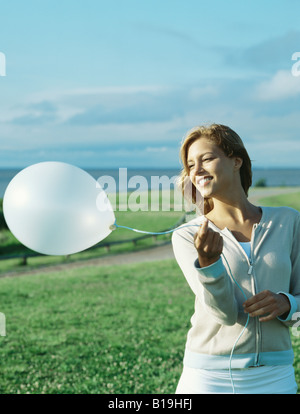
{"x":148,"y":168}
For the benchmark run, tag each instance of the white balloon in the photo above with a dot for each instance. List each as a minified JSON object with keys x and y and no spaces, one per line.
{"x":56,"y":208}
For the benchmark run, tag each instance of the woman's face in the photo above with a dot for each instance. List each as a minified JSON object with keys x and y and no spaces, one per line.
{"x":210,"y":170}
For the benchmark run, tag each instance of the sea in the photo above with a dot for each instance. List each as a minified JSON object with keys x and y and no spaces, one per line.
{"x":143,"y":179}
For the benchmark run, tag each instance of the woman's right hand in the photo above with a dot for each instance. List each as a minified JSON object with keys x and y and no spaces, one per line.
{"x":209,"y":245}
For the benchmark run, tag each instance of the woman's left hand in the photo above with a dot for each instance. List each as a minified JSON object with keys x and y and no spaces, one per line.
{"x":267,"y":303}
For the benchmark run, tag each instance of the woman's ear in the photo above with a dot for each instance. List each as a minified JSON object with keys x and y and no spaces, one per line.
{"x":238,"y":162}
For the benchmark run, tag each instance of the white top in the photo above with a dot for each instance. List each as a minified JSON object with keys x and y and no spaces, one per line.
{"x":247,"y":247}
{"x":256,"y":380}
{"x":278,"y":379}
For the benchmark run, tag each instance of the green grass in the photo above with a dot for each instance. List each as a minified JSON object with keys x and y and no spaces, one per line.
{"x":289,"y":200}
{"x":117,"y":329}
{"x":95,"y":330}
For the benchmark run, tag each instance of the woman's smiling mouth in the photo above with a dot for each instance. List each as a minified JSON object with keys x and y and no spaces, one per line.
{"x":202,"y":181}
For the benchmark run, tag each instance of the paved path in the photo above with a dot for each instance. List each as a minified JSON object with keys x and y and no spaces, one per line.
{"x":154,"y":253}
{"x":150,"y":254}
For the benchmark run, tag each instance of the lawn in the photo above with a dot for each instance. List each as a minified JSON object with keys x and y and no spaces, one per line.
{"x":290,"y":200}
{"x":115,"y":329}
{"x":95,"y":330}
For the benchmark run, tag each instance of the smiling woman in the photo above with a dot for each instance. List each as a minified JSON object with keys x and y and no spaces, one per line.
{"x":221,"y":142}
{"x":239,"y":340}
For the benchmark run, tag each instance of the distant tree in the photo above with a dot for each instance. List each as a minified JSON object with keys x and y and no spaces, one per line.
{"x":3,"y":224}
{"x":262,"y":182}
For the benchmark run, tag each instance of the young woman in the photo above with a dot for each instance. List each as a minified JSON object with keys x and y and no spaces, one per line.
{"x":239,"y":260}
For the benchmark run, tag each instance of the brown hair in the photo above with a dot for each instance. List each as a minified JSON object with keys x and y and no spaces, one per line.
{"x":232,"y":146}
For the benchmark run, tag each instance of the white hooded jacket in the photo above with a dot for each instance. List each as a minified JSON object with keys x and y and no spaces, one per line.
{"x":219,"y":318}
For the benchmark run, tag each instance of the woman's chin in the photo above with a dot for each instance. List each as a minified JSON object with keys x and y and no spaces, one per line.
{"x":205,"y":192}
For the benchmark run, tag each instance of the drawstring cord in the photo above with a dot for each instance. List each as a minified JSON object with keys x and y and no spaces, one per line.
{"x":115,"y":226}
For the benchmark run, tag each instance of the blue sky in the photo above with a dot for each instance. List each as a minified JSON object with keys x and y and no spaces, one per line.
{"x":108,"y":84}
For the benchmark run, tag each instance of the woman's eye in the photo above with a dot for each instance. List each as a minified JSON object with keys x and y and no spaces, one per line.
{"x":191,"y":166}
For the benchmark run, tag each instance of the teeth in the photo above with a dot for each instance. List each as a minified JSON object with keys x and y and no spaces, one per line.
{"x":204,"y":180}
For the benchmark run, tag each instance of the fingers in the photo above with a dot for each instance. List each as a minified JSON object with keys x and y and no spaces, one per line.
{"x":208,"y":243}
{"x":269,"y":317}
{"x":254,"y":302}
{"x":200,"y":237}
{"x":259,"y":304}
{"x":266,"y":304}
{"x":203,"y":229}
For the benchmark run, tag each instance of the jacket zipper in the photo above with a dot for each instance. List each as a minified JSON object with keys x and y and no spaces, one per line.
{"x":251,"y":273}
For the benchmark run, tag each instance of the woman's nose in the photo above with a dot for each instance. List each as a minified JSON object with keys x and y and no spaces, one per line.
{"x":198,"y":169}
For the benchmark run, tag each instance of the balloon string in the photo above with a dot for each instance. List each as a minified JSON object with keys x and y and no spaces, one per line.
{"x":115,"y":225}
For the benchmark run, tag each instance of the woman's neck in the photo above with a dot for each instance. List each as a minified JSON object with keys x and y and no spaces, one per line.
{"x":238,"y":210}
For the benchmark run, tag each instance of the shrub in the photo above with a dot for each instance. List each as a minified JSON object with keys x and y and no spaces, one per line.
{"x":3,"y":224}
{"x":262,"y":182}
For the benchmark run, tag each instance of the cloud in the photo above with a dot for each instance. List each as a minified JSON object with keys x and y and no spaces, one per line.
{"x":37,"y":119}
{"x":128,"y":114}
{"x":33,"y":113}
{"x":110,"y":106}
{"x":171,"y":33}
{"x":156,"y":149}
{"x":270,"y":54}
{"x":144,"y":105}
{"x":131,"y":107}
{"x":144,"y":126}
{"x":282,"y":85}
